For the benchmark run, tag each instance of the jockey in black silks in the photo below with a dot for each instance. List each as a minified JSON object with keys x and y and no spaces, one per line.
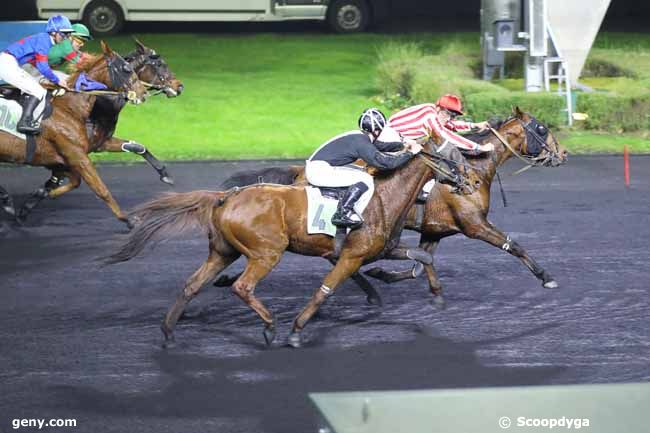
{"x":330,"y":164}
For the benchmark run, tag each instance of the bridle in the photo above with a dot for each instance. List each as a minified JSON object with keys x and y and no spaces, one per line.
{"x":120,"y":72}
{"x":161,"y":80}
{"x":536,"y":134}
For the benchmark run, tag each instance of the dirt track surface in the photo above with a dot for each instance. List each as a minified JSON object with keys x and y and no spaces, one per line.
{"x":79,"y":341}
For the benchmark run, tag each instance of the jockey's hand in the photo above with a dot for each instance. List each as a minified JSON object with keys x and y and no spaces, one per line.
{"x":63,"y":84}
{"x":482,"y":125}
{"x":487,"y":147}
{"x":413,"y":147}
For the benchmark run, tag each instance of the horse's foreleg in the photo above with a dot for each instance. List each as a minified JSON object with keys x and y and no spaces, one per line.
{"x":6,"y":202}
{"x":212,"y":266}
{"x":86,"y":169}
{"x":430,"y":245}
{"x":55,"y":181}
{"x":401,"y":252}
{"x":115,"y":144}
{"x":490,"y":234}
{"x":345,"y":267}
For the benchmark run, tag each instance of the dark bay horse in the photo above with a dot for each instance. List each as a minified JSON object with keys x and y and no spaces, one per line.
{"x":151,"y":69}
{"x":446,"y":213}
{"x":263,"y":221}
{"x":63,"y":144}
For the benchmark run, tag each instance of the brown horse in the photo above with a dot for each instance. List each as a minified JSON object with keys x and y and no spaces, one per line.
{"x":151,"y":69}
{"x":64,"y":145}
{"x":262,"y":222}
{"x":446,"y":213}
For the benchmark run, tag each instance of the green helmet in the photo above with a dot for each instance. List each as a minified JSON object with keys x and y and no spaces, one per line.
{"x":81,"y":31}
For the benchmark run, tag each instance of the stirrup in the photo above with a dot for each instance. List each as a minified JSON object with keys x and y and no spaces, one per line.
{"x":343,"y":220}
{"x":31,"y":128}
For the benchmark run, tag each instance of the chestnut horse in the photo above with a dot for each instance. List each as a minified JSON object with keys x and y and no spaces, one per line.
{"x":153,"y":71}
{"x":63,"y":144}
{"x":262,"y":222}
{"x":446,"y":213}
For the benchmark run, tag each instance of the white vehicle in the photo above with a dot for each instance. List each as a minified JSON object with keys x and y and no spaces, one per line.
{"x":105,"y":17}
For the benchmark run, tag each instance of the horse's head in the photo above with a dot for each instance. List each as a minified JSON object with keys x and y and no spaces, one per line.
{"x":533,"y":140}
{"x":112,"y":70}
{"x":152,"y":69}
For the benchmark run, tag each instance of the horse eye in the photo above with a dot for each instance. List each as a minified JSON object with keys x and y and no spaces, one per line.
{"x":541,"y":130}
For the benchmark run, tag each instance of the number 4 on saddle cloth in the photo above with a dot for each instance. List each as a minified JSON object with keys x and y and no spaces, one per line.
{"x":323,"y":202}
{"x":320,"y":209}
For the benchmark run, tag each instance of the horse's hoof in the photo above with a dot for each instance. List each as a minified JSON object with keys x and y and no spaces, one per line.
{"x":294,"y":340}
{"x":375,"y":300}
{"x":167,"y":179}
{"x":269,"y":334}
{"x":439,"y":302}
{"x":551,"y":284}
{"x":132,"y":221}
{"x":169,"y":340}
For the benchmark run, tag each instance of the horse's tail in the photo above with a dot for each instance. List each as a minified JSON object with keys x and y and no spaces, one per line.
{"x":171,"y":214}
{"x":280,"y":175}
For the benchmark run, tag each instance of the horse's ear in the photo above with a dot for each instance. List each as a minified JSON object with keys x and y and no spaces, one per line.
{"x":106,"y":49}
{"x":517,"y":112}
{"x":139,"y":46}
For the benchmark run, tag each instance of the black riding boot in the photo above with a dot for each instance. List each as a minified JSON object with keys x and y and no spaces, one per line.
{"x":343,"y":215}
{"x":27,"y":124}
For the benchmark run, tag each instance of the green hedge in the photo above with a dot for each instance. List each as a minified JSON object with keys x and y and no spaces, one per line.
{"x":545,"y":106}
{"x":615,"y":113}
{"x":407,"y":74}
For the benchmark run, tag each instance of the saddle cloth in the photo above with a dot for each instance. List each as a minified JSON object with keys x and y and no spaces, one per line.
{"x":10,"y":112}
{"x":319,"y":212}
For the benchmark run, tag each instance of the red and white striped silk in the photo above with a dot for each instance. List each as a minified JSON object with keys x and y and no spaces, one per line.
{"x":419,"y":120}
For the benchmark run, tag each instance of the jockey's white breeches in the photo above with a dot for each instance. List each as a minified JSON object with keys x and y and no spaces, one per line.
{"x":12,"y":73}
{"x":320,"y":173}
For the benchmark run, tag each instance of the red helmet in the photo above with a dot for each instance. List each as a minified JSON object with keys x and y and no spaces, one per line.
{"x":451,"y":103}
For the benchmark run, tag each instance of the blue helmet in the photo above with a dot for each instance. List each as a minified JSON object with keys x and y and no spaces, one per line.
{"x":59,"y":24}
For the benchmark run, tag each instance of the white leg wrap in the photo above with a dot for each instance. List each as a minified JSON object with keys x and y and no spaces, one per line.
{"x":326,"y":290}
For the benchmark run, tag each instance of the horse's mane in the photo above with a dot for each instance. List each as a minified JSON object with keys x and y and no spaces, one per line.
{"x":479,"y":137}
{"x":86,"y":63}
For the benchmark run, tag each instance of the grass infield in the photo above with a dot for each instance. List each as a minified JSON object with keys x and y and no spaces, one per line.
{"x":282,"y":95}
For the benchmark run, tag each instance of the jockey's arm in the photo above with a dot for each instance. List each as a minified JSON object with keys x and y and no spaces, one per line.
{"x":462,"y":126}
{"x":44,"y":68}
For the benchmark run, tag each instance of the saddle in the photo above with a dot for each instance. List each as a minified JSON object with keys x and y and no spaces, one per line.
{"x":334,"y":192}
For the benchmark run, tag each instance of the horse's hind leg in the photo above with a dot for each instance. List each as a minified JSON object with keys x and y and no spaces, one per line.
{"x":118,"y":145}
{"x":37,"y":196}
{"x":212,"y":266}
{"x":244,"y":287}
{"x":490,"y":234}
{"x":6,"y":202}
